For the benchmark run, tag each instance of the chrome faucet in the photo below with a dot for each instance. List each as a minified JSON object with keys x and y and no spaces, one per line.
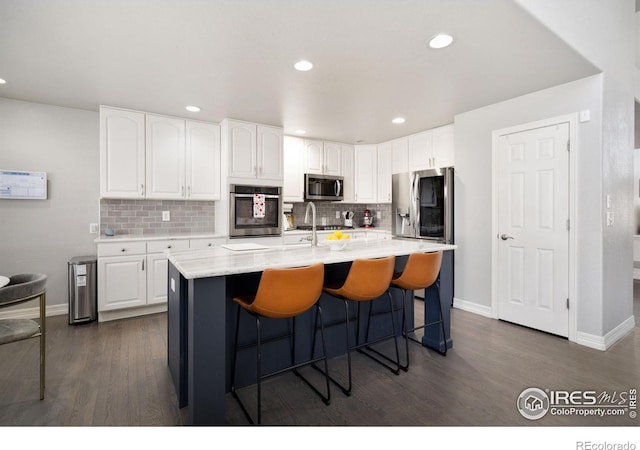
{"x":314,"y":235}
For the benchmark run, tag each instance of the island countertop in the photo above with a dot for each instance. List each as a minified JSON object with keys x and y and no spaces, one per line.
{"x":220,"y":261}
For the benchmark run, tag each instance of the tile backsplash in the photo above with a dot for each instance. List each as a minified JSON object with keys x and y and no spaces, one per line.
{"x":327,"y":210}
{"x":144,"y":217}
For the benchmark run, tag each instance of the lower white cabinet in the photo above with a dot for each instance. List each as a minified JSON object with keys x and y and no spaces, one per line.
{"x":132,"y":275}
{"x":122,"y":279}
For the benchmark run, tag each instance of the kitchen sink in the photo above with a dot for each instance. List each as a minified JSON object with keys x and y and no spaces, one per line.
{"x":323,"y":227}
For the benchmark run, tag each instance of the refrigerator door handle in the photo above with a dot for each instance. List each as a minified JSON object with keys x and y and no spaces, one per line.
{"x":414,"y":213}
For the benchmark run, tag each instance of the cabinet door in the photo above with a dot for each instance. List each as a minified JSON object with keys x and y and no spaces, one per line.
{"x":203,"y":161}
{"x":269,"y":153}
{"x":157,"y":268}
{"x":165,"y":157}
{"x":366,"y":173}
{"x":293,"y":182}
{"x":400,"y":154}
{"x":121,"y":154}
{"x":332,"y":158}
{"x":348,"y":173}
{"x":384,"y":172}
{"x":314,"y":156}
{"x":421,"y":151}
{"x":443,"y":146}
{"x":121,"y":282}
{"x":242,"y":150}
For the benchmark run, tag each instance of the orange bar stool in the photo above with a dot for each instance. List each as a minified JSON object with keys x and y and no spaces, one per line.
{"x":367,"y":280}
{"x":421,"y":272}
{"x":283,"y":294}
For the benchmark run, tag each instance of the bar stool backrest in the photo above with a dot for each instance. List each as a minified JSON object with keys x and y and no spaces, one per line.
{"x":367,"y":278}
{"x":286,"y":293}
{"x":420,"y":272}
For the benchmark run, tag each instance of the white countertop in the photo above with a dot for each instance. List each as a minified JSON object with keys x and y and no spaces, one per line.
{"x":218,"y":261}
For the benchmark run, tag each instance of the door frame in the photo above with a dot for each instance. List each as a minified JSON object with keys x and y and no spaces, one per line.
{"x":572,"y":120}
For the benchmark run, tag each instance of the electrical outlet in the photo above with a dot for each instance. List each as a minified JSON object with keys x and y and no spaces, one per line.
{"x":610,"y":218}
{"x":337,"y":214}
{"x":93,"y":228}
{"x":166,"y":216}
{"x":379,"y":214}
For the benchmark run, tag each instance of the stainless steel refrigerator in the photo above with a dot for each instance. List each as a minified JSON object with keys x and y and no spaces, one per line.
{"x":422,"y":205}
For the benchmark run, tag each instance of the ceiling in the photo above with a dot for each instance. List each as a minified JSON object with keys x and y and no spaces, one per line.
{"x":234,"y":58}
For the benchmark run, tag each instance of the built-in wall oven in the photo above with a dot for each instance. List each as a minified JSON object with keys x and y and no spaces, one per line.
{"x":255,"y":211}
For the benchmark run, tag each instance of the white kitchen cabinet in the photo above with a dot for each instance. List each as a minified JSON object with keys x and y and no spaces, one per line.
{"x":421,"y":150}
{"x":293,"y":180}
{"x":323,"y":158}
{"x":348,"y":173}
{"x":400,"y":152}
{"x":443,"y":146}
{"x":165,"y":157}
{"x":366,"y":173}
{"x":202,"y":160}
{"x":254,"y":151}
{"x":146,"y":155}
{"x":206,"y":242}
{"x":122,"y":279}
{"x":122,"y":153}
{"x":269,"y":152}
{"x":385,"y":157}
{"x":157,"y":268}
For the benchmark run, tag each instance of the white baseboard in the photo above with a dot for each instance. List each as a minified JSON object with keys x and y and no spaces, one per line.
{"x":471,"y":307}
{"x":605,"y":342}
{"x":34,"y":312}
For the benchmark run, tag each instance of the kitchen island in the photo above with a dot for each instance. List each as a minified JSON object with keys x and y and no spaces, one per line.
{"x":202,"y":284}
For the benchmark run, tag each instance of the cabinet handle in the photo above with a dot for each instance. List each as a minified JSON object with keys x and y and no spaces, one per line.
{"x":168,"y":246}
{"x":209,"y":244}
{"x":188,"y":191}
{"x":143,"y":264}
{"x":123,"y":250}
{"x":182,"y":189}
{"x":142,"y":190}
{"x":255,"y":170}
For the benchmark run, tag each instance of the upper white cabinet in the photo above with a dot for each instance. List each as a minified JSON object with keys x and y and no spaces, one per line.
{"x":400,"y":152}
{"x":322,"y":157}
{"x":366,"y":173}
{"x":152,"y":156}
{"x":443,"y":146}
{"x":202,"y":160}
{"x":165,"y":162}
{"x":293,"y":182}
{"x":254,"y":151}
{"x":122,"y":153}
{"x":432,"y":149}
{"x":421,"y":150}
{"x":385,"y":157}
{"x":348,"y":172}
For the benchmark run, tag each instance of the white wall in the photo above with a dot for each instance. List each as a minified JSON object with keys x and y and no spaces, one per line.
{"x":473,"y":190}
{"x":42,"y":235}
{"x":605,"y":34}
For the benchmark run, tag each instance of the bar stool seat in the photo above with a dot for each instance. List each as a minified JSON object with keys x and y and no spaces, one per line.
{"x":421,"y":271}
{"x":367,"y":280}
{"x":283,"y":294}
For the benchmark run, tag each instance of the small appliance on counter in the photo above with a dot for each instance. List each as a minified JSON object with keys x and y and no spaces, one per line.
{"x":348,"y":219}
{"x":367,"y":219}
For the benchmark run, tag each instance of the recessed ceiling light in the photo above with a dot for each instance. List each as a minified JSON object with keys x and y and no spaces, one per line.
{"x":398,"y":120}
{"x":303,"y":66}
{"x":301,"y":132}
{"x":192,"y":109}
{"x":3,"y":81}
{"x":441,"y":40}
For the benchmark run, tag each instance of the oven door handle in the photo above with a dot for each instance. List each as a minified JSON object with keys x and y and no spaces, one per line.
{"x":251,"y":196}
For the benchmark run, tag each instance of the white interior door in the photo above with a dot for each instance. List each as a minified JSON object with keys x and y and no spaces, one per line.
{"x":533,"y":236}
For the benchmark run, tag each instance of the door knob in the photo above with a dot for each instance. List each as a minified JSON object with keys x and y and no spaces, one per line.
{"x":504,"y":237}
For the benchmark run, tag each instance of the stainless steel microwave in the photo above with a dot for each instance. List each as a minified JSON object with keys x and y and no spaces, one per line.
{"x":323,"y":187}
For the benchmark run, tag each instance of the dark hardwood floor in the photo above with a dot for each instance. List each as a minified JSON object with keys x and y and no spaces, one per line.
{"x":115,"y":373}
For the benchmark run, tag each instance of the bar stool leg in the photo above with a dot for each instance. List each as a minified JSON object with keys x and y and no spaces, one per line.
{"x":395,"y":370}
